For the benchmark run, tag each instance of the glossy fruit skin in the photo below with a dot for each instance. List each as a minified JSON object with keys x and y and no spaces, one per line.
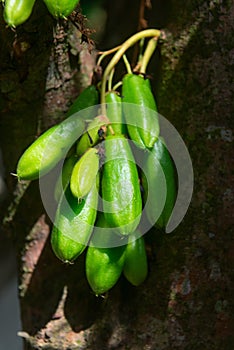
{"x":87,"y":98}
{"x":65,"y":176}
{"x":61,"y":8}
{"x":121,"y":194}
{"x":103,"y":265}
{"x":115,"y":113}
{"x":91,"y":137}
{"x":74,"y":224}
{"x":48,"y":149}
{"x":84,"y":173}
{"x":158,"y":160}
{"x":135,"y":265}
{"x":140,"y":110}
{"x":17,"y":12}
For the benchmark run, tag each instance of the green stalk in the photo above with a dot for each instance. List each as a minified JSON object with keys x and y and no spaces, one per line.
{"x":117,"y":85}
{"x":151,"y":46}
{"x":141,"y":47}
{"x":110,"y":79}
{"x":127,"y":64}
{"x":106,"y":53}
{"x":115,"y":59}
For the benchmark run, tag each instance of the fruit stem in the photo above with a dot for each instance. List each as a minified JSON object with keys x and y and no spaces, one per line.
{"x":127,"y":64}
{"x":115,"y":59}
{"x":115,"y":87}
{"x":141,"y":47}
{"x":150,"y":48}
{"x":110,"y":79}
{"x":106,"y":53}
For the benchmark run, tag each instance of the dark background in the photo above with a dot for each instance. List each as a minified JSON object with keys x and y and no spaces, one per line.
{"x":187,"y":300}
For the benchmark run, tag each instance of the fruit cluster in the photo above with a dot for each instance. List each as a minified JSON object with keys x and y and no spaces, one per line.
{"x":102,"y":190}
{"x":16,"y":12}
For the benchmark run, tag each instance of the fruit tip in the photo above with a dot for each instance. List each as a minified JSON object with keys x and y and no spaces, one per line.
{"x":15,"y":175}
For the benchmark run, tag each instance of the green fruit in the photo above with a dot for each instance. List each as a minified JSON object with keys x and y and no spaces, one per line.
{"x":87,"y":98}
{"x":49,"y":148}
{"x":140,"y":110}
{"x":17,"y":12}
{"x":121,"y":194}
{"x":84,"y":173}
{"x":103,"y":265}
{"x":74,"y":224}
{"x":61,"y":8}
{"x":64,"y":177}
{"x":44,"y":153}
{"x":91,"y":137}
{"x":115,"y":113}
{"x":135,"y":265}
{"x":158,"y":162}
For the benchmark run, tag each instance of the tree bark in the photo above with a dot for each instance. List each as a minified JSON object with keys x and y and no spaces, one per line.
{"x":186,"y":301}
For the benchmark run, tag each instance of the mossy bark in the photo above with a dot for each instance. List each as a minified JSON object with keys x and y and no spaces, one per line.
{"x":186,"y":301}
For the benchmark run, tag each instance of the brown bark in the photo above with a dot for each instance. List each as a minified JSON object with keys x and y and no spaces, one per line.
{"x":186,"y":302}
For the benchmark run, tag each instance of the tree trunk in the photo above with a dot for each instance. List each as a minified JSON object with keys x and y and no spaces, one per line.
{"x":186,"y":301}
